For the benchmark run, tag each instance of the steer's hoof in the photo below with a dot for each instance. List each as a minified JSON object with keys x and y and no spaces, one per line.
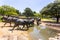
{"x":10,"y":29}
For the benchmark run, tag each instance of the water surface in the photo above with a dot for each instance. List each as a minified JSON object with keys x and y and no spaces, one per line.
{"x":41,"y":32}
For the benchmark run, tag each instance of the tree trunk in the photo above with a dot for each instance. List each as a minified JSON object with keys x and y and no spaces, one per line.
{"x":57,"y":20}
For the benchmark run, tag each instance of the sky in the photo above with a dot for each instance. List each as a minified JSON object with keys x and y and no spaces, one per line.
{"x":35,"y":5}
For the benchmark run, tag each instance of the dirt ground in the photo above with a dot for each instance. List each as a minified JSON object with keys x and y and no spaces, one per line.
{"x":6,"y":34}
{"x":52,"y":25}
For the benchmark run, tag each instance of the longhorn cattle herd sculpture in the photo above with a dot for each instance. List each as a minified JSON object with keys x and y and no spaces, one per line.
{"x":20,"y":21}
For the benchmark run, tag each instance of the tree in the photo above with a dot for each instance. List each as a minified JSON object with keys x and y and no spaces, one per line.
{"x":8,"y":10}
{"x":52,"y":10}
{"x":28,"y":12}
{"x":34,"y":12}
{"x":18,"y":12}
{"x":37,"y":15}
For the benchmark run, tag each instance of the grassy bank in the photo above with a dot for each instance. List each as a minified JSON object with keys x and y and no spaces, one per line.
{"x":0,"y":18}
{"x":48,"y":19}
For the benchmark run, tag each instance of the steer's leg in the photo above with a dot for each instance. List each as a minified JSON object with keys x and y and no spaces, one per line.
{"x":5,"y":23}
{"x":14,"y":26}
{"x":18,"y":27}
{"x":10,"y":24}
{"x":23,"y":26}
{"x":27,"y":26}
{"x":37,"y":23}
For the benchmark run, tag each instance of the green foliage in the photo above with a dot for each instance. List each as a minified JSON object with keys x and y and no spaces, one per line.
{"x":37,"y":15}
{"x":0,"y":18}
{"x":28,"y":12}
{"x":18,"y":12}
{"x":52,"y":10}
{"x":8,"y":10}
{"x":45,"y":11}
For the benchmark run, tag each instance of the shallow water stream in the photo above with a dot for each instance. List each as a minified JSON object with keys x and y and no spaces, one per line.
{"x":41,"y":32}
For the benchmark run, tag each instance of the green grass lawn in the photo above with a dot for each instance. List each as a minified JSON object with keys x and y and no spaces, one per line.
{"x":0,"y":18}
{"x":48,"y":19}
